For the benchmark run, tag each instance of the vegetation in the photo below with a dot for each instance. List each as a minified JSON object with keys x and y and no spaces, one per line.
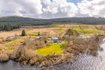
{"x":23,"y":33}
{"x":88,"y":31}
{"x":51,"y":46}
{"x":4,"y":54}
{"x":52,"y":49}
{"x":15,"y":22}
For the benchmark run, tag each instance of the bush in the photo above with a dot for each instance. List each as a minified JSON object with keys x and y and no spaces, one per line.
{"x":23,"y":33}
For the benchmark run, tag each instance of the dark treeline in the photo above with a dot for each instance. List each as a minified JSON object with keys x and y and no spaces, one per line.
{"x":14,"y":22}
{"x":84,"y":20}
{"x":8,"y":26}
{"x":10,"y":23}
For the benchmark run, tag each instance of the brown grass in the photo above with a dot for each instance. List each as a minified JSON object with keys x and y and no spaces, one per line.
{"x":4,"y":54}
{"x":48,"y":30}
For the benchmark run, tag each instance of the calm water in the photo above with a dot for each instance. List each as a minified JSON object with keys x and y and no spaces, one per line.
{"x":15,"y":66}
{"x":84,"y":62}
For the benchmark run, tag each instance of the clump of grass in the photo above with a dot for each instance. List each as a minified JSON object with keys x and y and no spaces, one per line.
{"x":53,"y":48}
{"x":4,"y":54}
{"x":4,"y":57}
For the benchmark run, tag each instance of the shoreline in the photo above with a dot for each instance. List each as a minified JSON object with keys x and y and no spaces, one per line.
{"x":73,"y":60}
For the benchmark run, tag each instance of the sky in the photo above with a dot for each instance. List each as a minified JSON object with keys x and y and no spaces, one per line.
{"x":74,"y":1}
{"x":52,"y":8}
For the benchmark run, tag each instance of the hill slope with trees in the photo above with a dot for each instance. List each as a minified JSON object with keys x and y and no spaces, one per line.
{"x":14,"y":22}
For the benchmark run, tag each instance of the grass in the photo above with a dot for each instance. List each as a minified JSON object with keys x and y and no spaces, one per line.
{"x":88,"y":31}
{"x":31,"y":36}
{"x":31,"y":32}
{"x":13,"y":42}
{"x":52,"y":49}
{"x":60,"y":30}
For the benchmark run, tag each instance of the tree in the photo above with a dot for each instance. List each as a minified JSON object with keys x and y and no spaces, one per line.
{"x":23,"y":33}
{"x":7,"y":27}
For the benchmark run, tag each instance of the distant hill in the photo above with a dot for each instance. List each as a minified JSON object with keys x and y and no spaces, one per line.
{"x":25,"y":20}
{"x":87,"y":20}
{"x":16,"y":21}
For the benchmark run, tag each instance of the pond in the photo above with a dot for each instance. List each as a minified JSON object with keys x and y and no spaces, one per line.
{"x":84,"y":62}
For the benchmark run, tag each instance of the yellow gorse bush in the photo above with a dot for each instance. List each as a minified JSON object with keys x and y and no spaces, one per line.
{"x":52,"y":49}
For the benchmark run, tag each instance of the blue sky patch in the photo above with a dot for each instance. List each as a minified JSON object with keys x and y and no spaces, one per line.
{"x":74,"y":1}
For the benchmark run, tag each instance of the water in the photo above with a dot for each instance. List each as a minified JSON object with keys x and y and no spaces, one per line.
{"x":87,"y":62}
{"x":84,"y":62}
{"x":11,"y":65}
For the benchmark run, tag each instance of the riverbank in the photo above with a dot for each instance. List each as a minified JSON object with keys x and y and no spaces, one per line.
{"x":73,"y":49}
{"x":84,"y":62}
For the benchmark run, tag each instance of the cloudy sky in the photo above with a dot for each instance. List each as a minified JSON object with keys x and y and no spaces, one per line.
{"x":52,"y":8}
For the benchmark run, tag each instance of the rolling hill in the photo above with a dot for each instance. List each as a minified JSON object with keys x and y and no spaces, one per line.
{"x":16,"y":21}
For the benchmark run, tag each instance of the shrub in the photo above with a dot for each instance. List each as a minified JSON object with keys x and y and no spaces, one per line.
{"x":23,"y":33}
{"x":51,"y":49}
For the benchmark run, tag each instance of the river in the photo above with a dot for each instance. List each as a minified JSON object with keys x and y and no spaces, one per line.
{"x":84,"y":62}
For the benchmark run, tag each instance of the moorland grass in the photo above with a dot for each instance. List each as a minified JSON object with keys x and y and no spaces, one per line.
{"x":88,"y":31}
{"x":19,"y":40}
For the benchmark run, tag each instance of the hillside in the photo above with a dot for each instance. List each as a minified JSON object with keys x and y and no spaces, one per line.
{"x":87,"y":20}
{"x":13,"y":22}
{"x":44,"y":21}
{"x":22,"y":20}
